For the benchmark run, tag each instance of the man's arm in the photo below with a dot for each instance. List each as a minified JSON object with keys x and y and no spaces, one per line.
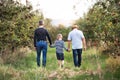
{"x":48,"y":36}
{"x":53,"y":45}
{"x":69,"y":42}
{"x":64,"y":46}
{"x":84,"y":43}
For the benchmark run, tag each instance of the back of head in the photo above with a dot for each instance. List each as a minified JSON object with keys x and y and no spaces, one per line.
{"x":74,"y":26}
{"x":41,"y":22}
{"x":59,"y":36}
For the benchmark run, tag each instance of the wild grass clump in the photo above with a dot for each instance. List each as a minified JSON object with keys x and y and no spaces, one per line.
{"x":7,"y":73}
{"x":23,"y":58}
{"x":18,"y":54}
{"x":113,"y":63}
{"x":113,"y":66}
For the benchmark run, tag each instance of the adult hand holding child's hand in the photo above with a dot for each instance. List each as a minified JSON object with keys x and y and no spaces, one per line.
{"x":68,"y":50}
{"x":84,"y":48}
{"x":52,"y":46}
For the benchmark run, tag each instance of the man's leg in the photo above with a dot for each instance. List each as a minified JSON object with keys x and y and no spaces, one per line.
{"x":59,"y":63}
{"x":75,"y":57}
{"x":62,"y":60}
{"x":62,"y":63}
{"x":38,"y":55}
{"x":79,"y":57}
{"x":44,"y":54}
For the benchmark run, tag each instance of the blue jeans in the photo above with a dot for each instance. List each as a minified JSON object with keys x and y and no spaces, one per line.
{"x":77,"y":57}
{"x":41,"y":46}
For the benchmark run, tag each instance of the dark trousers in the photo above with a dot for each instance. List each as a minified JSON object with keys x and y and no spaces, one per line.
{"x":77,"y":57}
{"x":41,"y":47}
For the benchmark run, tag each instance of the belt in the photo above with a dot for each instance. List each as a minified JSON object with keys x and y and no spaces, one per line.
{"x":41,"y":41}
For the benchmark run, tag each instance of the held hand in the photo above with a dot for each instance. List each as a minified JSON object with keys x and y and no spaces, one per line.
{"x":84,"y":48}
{"x":51,"y":46}
{"x":35,"y":48}
{"x":69,"y":50}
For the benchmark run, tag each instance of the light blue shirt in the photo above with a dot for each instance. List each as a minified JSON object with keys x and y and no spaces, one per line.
{"x":76,"y":37}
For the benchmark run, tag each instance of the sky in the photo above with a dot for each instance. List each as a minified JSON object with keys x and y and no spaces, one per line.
{"x":62,"y":11}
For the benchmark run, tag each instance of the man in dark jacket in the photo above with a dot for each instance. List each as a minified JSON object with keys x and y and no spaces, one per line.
{"x":40,"y":43}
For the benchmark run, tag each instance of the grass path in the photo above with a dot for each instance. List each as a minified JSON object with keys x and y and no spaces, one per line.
{"x":91,"y":66}
{"x":24,"y":67}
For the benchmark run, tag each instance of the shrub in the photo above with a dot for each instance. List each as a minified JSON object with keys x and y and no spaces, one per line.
{"x":113,"y":63}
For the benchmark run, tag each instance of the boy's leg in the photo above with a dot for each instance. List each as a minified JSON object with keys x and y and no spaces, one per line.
{"x":59,"y":63}
{"x":62,"y":63}
{"x":62,"y":60}
{"x":59,"y":59}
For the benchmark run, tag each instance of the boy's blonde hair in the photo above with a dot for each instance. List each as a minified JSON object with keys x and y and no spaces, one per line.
{"x":59,"y":36}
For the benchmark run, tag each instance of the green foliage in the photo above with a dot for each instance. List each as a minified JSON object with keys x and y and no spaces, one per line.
{"x":4,"y":74}
{"x":17,"y":24}
{"x":117,"y":73}
{"x":113,"y":63}
{"x":54,"y":30}
{"x":62,"y":30}
{"x":102,"y":23}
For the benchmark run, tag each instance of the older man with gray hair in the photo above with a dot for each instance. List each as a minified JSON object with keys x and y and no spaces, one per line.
{"x":78,"y":43}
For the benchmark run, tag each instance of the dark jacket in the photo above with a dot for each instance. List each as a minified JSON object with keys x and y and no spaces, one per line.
{"x":40,"y":34}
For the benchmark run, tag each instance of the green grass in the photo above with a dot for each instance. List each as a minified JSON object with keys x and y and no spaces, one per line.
{"x":24,"y":68}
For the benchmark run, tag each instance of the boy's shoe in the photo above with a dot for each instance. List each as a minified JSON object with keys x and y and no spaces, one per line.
{"x":61,"y":66}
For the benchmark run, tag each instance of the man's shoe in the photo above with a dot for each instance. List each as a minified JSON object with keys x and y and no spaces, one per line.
{"x":38,"y":65}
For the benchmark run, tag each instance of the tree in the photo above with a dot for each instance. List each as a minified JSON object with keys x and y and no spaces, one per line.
{"x":102,"y":24}
{"x":16,"y":25}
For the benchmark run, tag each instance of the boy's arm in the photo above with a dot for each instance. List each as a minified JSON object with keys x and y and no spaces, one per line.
{"x":64,"y":46}
{"x":52,"y":45}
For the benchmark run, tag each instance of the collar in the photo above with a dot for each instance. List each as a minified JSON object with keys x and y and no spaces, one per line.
{"x":75,"y":29}
{"x":60,"y":39}
{"x":40,"y":26}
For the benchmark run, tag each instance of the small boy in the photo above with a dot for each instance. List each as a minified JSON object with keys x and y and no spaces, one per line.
{"x":59,"y":44}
